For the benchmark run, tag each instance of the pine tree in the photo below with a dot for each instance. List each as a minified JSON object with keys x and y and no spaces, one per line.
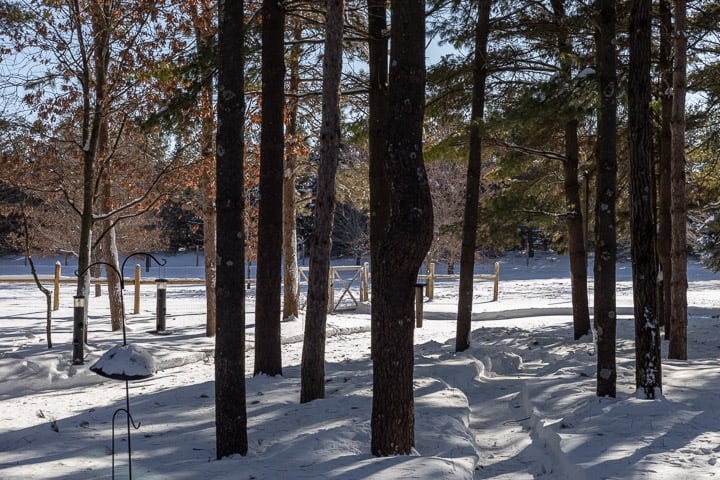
{"x":642,"y":220}
{"x":472,"y":195}
{"x":605,"y":312}
{"x":313,"y":355}
{"x":678,"y":208}
{"x":230,"y":403}
{"x":406,"y":239}
{"x":377,"y":123}
{"x":268,"y":355}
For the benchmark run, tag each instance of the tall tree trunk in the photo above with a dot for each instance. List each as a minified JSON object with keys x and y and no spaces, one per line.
{"x":664,"y":161}
{"x":207,"y":187}
{"x":109,"y":238}
{"x":110,"y":254}
{"x":313,"y":354}
{"x":605,"y":242}
{"x":291,"y":280}
{"x":204,"y":36}
{"x":230,"y":403}
{"x":407,"y":237}
{"x":678,"y":211}
{"x":642,"y":222}
{"x":472,"y":191}
{"x":377,"y":122}
{"x":576,"y":233}
{"x":575,"y":223}
{"x":94,"y":112}
{"x":268,"y":355}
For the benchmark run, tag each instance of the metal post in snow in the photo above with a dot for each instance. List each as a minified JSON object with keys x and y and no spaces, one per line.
{"x":161,"y":304}
{"x":78,"y":329}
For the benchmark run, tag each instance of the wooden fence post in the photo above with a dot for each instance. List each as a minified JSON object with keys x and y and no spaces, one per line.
{"x":56,"y":292}
{"x":365,"y":283}
{"x":136,"y":305}
{"x":431,"y":280}
{"x":496,"y":281}
{"x":331,"y":290}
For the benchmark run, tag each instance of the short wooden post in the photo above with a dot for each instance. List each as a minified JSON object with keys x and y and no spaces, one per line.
{"x":431,"y":281}
{"x":418,"y":305}
{"x":365,"y":283}
{"x":136,"y":306}
{"x":496,"y":281}
{"x":56,"y":291}
{"x":331,"y":290}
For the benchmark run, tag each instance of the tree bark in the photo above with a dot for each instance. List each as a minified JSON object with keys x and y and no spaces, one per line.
{"x":678,"y":211}
{"x":575,"y":223}
{"x":110,"y":255}
{"x":313,"y":355}
{"x":230,"y":403}
{"x":109,"y":239}
{"x":407,"y":237}
{"x":576,"y":233}
{"x":605,"y":313}
{"x":291,"y":280}
{"x":207,"y":186}
{"x":204,"y":35}
{"x":93,"y":114}
{"x":472,"y":190}
{"x":648,"y":376}
{"x":664,"y":161}
{"x":377,"y":123}
{"x":268,"y":355}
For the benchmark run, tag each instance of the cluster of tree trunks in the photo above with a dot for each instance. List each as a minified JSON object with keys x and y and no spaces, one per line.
{"x":401,"y":210}
{"x":401,"y":213}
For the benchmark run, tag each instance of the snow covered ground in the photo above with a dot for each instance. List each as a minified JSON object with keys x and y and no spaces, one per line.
{"x":520,"y":404}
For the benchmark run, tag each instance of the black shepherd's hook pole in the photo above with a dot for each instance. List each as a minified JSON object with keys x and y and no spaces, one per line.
{"x":122,"y":286}
{"x":147,"y":255}
{"x":121,"y":276}
{"x":130,"y":422}
{"x":126,"y":410}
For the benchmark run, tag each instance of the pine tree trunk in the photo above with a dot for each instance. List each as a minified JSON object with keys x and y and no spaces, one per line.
{"x":472,"y":192}
{"x":575,"y":222}
{"x":407,"y":237}
{"x":207,"y":179}
{"x":209,"y":247}
{"x":605,"y":241}
{"x":291,"y":280}
{"x":230,"y":403}
{"x":642,"y":220}
{"x":377,"y":122}
{"x":678,"y":211}
{"x":313,"y":355}
{"x":576,"y":234}
{"x":664,"y":161}
{"x":268,"y":355}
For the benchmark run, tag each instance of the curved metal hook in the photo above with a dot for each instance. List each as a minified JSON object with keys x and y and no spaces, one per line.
{"x":113,"y":267}
{"x":159,"y":262}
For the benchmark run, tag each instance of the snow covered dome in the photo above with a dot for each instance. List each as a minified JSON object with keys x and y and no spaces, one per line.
{"x":125,"y":362}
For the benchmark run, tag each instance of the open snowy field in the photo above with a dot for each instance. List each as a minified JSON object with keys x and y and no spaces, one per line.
{"x":520,"y":404}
